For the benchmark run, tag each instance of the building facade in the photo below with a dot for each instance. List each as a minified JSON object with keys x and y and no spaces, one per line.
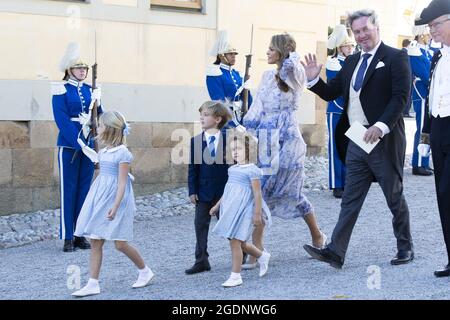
{"x":152,"y":57}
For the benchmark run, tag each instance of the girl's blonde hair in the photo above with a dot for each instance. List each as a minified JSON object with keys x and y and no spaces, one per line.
{"x":284,"y":44}
{"x":115,"y":124}
{"x":247,"y":141}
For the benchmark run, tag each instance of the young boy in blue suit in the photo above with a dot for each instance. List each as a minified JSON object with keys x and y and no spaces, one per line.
{"x":208,"y":174}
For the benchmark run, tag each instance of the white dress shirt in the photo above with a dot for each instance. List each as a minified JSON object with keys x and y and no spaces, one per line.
{"x":355,"y":111}
{"x":440,"y":86}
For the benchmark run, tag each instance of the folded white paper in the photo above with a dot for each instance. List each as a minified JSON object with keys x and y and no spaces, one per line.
{"x":356,"y":133}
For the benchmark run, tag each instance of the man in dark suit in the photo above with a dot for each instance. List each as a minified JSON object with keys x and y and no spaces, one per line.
{"x":208,"y":174}
{"x":376,"y":84}
{"x":436,"y":129}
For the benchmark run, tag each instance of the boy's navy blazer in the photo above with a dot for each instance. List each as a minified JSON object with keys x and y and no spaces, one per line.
{"x":207,"y":176}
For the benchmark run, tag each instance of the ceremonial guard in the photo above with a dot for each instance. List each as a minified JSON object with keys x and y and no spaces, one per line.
{"x":344,"y":46}
{"x":436,"y":129}
{"x":72,"y":103}
{"x":224,"y":83}
{"x":423,"y":38}
{"x":420,"y":67}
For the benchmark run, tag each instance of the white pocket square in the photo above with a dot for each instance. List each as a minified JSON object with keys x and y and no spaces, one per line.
{"x":380,"y":65}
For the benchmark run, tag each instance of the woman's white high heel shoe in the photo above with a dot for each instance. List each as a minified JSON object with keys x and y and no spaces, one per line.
{"x":324,"y":236}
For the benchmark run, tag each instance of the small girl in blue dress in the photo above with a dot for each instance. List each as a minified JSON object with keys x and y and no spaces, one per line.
{"x":108,"y":211}
{"x":241,"y":210}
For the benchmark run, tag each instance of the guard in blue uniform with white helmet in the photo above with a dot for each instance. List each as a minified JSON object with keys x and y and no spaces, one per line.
{"x":71,"y":109}
{"x":224,"y":83}
{"x":420,"y":67}
{"x":344,"y":46}
{"x":425,"y":41}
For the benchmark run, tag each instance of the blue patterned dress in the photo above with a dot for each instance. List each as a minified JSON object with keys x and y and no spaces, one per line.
{"x":238,"y":204}
{"x":92,"y":222}
{"x":282,"y":149}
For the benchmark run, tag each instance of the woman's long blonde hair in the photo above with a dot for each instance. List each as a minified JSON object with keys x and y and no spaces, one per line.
{"x":284,"y":44}
{"x":114,"y":123}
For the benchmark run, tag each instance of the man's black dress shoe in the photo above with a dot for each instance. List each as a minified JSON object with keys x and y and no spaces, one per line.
{"x":325,"y":255}
{"x":421,"y":171}
{"x":198,"y":267}
{"x":68,"y":246}
{"x":443,"y":273}
{"x":402,"y":257}
{"x":81,"y":242}
{"x":337,"y":193}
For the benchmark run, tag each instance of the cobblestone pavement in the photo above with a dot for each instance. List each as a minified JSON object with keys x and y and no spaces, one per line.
{"x":164,"y":233}
{"x":39,"y":270}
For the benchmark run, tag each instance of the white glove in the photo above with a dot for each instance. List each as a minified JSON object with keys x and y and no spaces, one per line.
{"x":248,"y":84}
{"x":241,"y":129}
{"x":97,"y":94}
{"x":424,"y":150}
{"x":86,"y":130}
{"x":89,"y":152}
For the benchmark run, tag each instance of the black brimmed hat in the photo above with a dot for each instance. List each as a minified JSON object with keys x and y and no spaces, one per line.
{"x":435,"y":9}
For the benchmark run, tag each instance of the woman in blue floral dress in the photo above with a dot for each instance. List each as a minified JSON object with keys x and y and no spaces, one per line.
{"x":282,"y":149}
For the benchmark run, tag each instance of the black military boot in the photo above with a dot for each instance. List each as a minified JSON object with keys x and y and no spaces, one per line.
{"x":68,"y":246}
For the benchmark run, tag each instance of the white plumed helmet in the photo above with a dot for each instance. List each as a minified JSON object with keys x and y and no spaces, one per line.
{"x":222,"y":45}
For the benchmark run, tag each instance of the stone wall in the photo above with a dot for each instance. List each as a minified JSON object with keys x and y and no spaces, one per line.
{"x":29,"y":177}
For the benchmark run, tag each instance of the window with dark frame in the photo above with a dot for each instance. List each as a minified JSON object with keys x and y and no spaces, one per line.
{"x":184,"y":5}
{"x":84,"y":1}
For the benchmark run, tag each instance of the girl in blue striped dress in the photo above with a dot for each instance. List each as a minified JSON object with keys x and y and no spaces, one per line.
{"x":242,"y":208}
{"x":108,"y":211}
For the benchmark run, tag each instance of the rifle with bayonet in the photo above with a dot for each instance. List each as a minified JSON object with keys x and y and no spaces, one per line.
{"x":94,"y":113}
{"x":245,"y":92}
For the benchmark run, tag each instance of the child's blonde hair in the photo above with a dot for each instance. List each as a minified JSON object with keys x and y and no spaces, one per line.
{"x":115,"y":124}
{"x":218,"y":109}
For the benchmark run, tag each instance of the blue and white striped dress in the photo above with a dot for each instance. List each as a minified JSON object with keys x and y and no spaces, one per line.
{"x":92,"y":222}
{"x":238,"y":204}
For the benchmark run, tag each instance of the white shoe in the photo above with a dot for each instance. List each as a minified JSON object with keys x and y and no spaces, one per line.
{"x":87,"y":291}
{"x":232,"y":282}
{"x":324,"y":236}
{"x":249,"y":266}
{"x":263,"y":261}
{"x":143,"y":280}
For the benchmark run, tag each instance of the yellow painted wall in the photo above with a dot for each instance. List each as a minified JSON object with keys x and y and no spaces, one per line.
{"x":152,"y":61}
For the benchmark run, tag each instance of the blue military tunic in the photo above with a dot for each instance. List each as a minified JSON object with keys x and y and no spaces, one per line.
{"x":70,"y":99}
{"x":420,"y":67}
{"x":334,"y":112}
{"x":223,"y":82}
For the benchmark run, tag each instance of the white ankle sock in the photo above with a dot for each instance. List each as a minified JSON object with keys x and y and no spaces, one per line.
{"x":235,"y":275}
{"x":92,"y":283}
{"x":146,"y":270}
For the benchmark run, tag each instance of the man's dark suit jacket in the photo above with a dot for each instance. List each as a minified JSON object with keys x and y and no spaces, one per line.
{"x":384,"y":95}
